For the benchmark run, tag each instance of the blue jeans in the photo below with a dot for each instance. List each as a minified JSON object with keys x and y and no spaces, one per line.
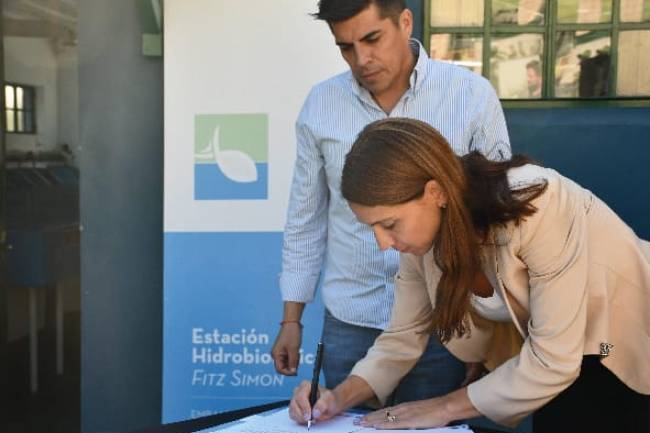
{"x":436,"y":373}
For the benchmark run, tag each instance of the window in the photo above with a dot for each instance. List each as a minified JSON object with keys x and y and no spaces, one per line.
{"x":546,"y":49}
{"x":20,"y":116}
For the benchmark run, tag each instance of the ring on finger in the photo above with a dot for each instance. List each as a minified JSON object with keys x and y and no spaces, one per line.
{"x":391,"y":418}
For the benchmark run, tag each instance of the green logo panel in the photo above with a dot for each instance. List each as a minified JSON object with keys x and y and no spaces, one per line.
{"x":247,"y":133}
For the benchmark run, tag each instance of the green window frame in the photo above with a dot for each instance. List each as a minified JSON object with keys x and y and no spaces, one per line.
{"x":20,"y":108}
{"x":549,"y":30}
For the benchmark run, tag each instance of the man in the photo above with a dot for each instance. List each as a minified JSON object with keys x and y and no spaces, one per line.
{"x":534,"y":79}
{"x":390,"y":75}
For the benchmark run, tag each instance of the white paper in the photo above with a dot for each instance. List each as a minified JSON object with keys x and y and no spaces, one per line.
{"x":279,"y":422}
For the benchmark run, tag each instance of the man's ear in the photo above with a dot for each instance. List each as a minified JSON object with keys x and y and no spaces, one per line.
{"x":406,"y":21}
{"x":434,"y":191}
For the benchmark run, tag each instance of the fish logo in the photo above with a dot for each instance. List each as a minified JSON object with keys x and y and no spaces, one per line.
{"x":231,"y":157}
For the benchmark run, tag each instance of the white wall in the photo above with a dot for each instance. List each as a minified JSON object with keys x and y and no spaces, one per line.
{"x":31,"y":61}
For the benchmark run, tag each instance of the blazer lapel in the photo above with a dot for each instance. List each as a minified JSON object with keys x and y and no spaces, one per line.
{"x":432,"y":275}
{"x":518,"y":314}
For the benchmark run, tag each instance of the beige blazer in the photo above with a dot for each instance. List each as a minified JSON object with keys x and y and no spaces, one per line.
{"x":576,"y":281}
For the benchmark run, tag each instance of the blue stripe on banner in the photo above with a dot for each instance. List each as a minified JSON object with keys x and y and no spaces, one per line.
{"x":222,"y":306}
{"x":211,"y":184}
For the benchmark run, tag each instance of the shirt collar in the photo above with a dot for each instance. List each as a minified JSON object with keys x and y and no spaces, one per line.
{"x":419,"y":71}
{"x":417,"y":74}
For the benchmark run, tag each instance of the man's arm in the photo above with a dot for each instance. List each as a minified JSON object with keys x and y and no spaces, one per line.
{"x":305,"y":238}
{"x":490,"y":136}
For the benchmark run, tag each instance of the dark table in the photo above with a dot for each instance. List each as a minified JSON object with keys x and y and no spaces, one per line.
{"x":207,"y":422}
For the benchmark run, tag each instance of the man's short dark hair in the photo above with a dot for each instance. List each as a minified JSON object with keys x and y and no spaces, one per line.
{"x":535,"y":65}
{"x":334,"y":11}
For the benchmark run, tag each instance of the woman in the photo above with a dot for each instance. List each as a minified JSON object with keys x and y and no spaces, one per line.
{"x":487,"y":247}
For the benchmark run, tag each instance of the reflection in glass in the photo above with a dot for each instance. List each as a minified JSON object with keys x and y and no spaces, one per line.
{"x":635,"y":11}
{"x":584,"y":11}
{"x":19,"y":97}
{"x":10,"y":121}
{"x":521,"y":12}
{"x":457,"y":13}
{"x":633,"y":75}
{"x":9,"y":97}
{"x":41,"y":214}
{"x":460,"y":49}
{"x":582,"y":67}
{"x":516,"y":67}
{"x":27,"y":98}
{"x":28,"y":124}
{"x":20,"y":126}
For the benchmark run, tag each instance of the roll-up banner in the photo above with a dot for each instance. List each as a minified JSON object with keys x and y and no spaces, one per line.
{"x":236,"y":75}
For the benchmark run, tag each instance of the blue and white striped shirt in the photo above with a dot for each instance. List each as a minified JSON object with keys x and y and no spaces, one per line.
{"x":322,"y":234}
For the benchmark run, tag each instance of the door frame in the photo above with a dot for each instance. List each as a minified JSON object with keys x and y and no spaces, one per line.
{"x":4,"y":344}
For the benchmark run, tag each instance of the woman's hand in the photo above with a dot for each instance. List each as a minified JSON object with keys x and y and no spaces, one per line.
{"x":417,"y":414}
{"x":351,"y":392}
{"x":434,"y":412}
{"x":326,"y":406}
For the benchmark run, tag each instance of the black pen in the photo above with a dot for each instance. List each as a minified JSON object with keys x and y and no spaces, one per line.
{"x":313,"y":392}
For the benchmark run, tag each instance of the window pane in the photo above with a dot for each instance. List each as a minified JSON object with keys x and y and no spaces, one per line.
{"x":516,"y":67}
{"x":519,"y":12}
{"x":584,"y":11}
{"x":28,"y":97}
{"x":9,"y":97}
{"x":19,"y":97}
{"x":633,"y":76}
{"x":582,"y":67}
{"x":20,"y":124}
{"x":457,"y":13}
{"x":29,"y":125}
{"x":11,"y":127}
{"x":635,"y":11}
{"x":459,"y":49}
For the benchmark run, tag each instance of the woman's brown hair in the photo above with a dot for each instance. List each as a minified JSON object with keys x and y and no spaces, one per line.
{"x":390,"y":163}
